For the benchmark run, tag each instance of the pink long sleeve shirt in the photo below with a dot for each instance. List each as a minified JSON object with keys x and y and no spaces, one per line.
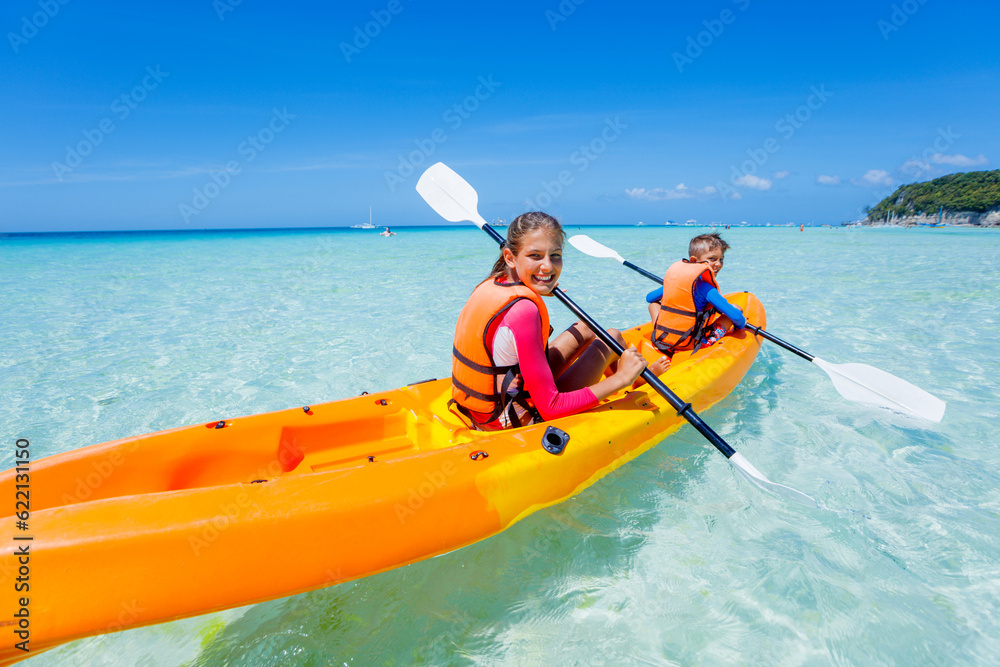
{"x":515,"y":339}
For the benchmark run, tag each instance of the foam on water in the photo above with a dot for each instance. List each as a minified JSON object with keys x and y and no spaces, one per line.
{"x":672,"y":559}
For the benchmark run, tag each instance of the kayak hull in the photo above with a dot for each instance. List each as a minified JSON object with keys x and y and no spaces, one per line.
{"x":203,"y":518}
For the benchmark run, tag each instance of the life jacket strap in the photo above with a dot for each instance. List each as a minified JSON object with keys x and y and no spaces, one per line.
{"x":660,"y":329}
{"x":696,"y":334}
{"x":462,"y":413}
{"x":486,"y":370}
{"x":698,"y":337}
{"x":469,"y":391}
{"x":679,"y":311}
{"x":512,"y":395}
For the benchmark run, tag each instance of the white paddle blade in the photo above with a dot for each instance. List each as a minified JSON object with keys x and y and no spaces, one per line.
{"x":757,"y":477}
{"x":589,"y":246}
{"x":865,"y":384}
{"x":449,"y":195}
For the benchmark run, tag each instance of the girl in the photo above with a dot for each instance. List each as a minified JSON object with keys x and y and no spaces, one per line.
{"x":505,"y":374}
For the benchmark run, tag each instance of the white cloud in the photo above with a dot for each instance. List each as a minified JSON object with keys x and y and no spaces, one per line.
{"x":659,"y":194}
{"x":755,"y":182}
{"x":874,"y":177}
{"x":680,"y":191}
{"x":823,"y":179}
{"x":959,"y":160}
{"x":778,"y":175}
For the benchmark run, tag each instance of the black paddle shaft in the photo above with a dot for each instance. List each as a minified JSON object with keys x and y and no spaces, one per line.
{"x":639,"y":269}
{"x":683,"y":409}
{"x":774,"y":339}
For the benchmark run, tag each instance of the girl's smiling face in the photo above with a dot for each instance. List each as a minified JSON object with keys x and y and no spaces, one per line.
{"x":538,"y":263}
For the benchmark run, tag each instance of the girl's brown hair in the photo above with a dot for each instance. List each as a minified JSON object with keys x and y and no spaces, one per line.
{"x":521,"y":226}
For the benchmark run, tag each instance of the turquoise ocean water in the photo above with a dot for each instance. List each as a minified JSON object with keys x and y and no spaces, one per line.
{"x":671,"y":560}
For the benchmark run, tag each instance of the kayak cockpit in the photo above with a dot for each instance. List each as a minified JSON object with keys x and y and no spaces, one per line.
{"x":322,"y":438}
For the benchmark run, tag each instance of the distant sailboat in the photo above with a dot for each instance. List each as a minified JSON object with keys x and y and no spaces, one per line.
{"x":366,"y":225}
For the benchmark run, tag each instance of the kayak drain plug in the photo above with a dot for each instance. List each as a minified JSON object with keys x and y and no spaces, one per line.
{"x":555,"y":440}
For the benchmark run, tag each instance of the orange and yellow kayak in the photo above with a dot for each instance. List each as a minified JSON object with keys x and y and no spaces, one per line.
{"x":197,"y":519}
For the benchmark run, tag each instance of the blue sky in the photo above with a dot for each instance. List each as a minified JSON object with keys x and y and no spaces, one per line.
{"x":202,"y":114}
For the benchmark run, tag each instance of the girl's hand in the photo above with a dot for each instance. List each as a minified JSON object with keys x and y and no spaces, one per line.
{"x":630,"y":366}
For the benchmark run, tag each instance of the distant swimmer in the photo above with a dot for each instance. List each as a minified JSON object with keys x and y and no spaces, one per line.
{"x":387,"y":232}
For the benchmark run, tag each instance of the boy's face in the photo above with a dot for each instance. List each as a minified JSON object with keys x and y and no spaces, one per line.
{"x":714,"y":258}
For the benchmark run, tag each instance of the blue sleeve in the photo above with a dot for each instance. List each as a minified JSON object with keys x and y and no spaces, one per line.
{"x":655,"y":295}
{"x":726,"y":308}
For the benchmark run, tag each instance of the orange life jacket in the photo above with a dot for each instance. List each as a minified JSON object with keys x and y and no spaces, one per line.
{"x":478,"y":384}
{"x":679,"y":325}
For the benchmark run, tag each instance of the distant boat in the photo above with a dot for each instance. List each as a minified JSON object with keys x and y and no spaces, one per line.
{"x":365,"y":225}
{"x":639,"y":224}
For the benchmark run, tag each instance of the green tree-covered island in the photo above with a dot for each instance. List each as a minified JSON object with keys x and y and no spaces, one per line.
{"x":971,"y":199}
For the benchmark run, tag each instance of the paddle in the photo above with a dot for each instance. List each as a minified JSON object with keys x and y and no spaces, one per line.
{"x":456,"y":201}
{"x":855,"y":382}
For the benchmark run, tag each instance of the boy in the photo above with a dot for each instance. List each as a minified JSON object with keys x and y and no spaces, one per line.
{"x":688,"y":312}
